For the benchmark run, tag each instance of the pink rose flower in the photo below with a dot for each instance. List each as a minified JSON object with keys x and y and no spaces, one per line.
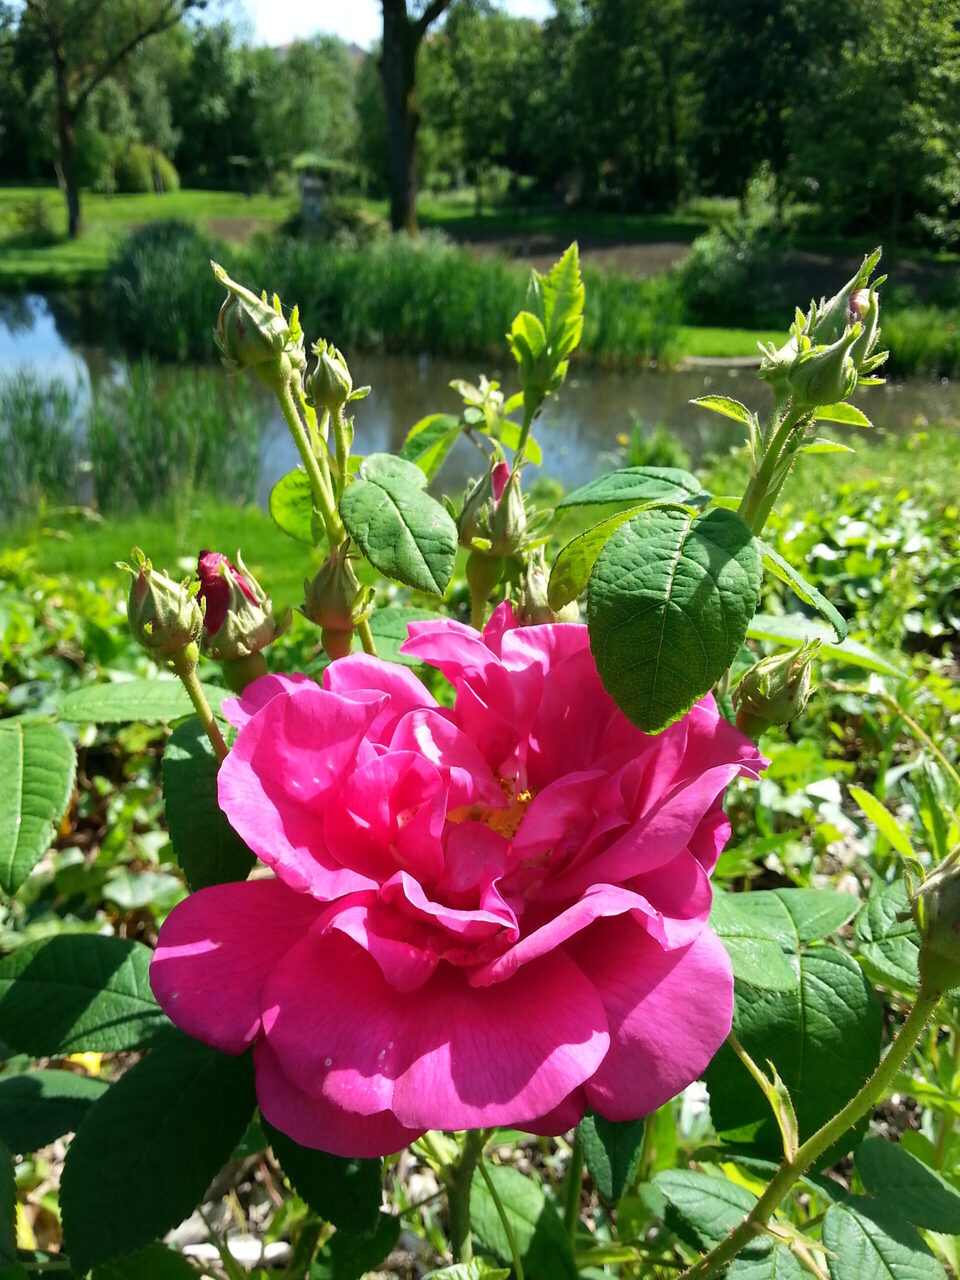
{"x":490,"y":915}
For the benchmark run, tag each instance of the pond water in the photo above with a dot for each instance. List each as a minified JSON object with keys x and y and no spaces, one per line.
{"x":579,"y":429}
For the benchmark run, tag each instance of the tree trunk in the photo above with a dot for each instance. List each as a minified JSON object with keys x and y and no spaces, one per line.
{"x":66,"y":140}
{"x":398,"y":63}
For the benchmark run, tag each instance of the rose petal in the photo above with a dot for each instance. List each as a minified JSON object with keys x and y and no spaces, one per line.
{"x":216,"y":950}
{"x":362,"y":673}
{"x":599,"y":901}
{"x":481,"y":1057}
{"x":258,"y":693}
{"x":271,"y":786}
{"x":669,"y":1012}
{"x":315,"y":1122}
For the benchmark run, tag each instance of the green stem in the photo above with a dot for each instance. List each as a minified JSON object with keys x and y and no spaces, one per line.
{"x":239,"y":672}
{"x":366,"y":637}
{"x":339,"y":420}
{"x":505,"y":1221}
{"x":792,"y":1170}
{"x":528,"y":417}
{"x":319,"y":486}
{"x":458,"y":1179}
{"x":184,"y":664}
{"x":761,"y":493}
{"x":574,"y":1187}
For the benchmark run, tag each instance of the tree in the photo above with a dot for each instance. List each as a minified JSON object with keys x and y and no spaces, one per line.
{"x":403,"y":33}
{"x":83,"y":42}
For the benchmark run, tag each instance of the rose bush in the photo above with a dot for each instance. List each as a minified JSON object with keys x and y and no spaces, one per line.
{"x":490,"y":915}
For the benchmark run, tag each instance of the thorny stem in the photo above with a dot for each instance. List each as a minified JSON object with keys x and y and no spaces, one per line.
{"x":792,"y":1170}
{"x":339,"y":421}
{"x":528,"y":417}
{"x":319,"y":486}
{"x":763,"y":490}
{"x":458,"y":1178}
{"x":184,"y":664}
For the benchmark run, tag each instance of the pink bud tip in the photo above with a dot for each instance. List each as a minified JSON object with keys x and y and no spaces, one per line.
{"x":499,"y":478}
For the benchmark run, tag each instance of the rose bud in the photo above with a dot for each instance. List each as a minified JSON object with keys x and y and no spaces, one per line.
{"x":329,"y":384}
{"x":251,"y":333}
{"x":336,"y":602}
{"x":774,"y":690}
{"x":533,"y":608}
{"x":938,"y":906}
{"x":238,"y":619}
{"x":164,"y":616}
{"x":833,"y":316}
{"x":824,"y":375}
{"x":494,"y":519}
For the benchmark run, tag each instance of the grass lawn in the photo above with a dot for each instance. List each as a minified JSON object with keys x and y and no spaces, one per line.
{"x":701,"y":340}
{"x":88,"y":550}
{"x":66,"y":262}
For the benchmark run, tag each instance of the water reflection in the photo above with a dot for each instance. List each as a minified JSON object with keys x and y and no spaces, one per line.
{"x":578,"y":430}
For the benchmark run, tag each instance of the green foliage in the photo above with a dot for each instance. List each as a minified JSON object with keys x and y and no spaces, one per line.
{"x":872,"y":1241}
{"x":130,"y":1175}
{"x":38,"y":1106}
{"x":78,"y":993}
{"x":38,"y":423}
{"x":537,"y":1231}
{"x":122,"y":701}
{"x":670,"y":599}
{"x":350,"y":1257}
{"x":612,"y":1152}
{"x":346,"y":1193}
{"x":823,"y":1038}
{"x":144,"y":168}
{"x":207,"y":847}
{"x":402,"y":531}
{"x":291,"y":506}
{"x":161,"y":292}
{"x":37,"y":766}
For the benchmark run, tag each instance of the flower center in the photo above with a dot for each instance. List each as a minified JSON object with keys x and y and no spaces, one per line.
{"x":504,"y":821}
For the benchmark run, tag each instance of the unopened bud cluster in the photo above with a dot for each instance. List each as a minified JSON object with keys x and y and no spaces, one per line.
{"x":252,"y":333}
{"x":238,"y":616}
{"x":336,"y":602}
{"x":830,"y":348}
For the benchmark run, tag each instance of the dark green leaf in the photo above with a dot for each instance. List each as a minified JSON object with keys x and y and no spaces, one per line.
{"x":823,"y":1038}
{"x":291,"y":506}
{"x":669,"y":601}
{"x":76,"y":993}
{"x":147,"y":1151}
{"x":37,"y":1107}
{"x":612,"y":1152}
{"x":912,"y":1188}
{"x":133,"y":701}
{"x":429,"y":441}
{"x":541,"y":1240}
{"x":207,"y":847}
{"x":886,"y":939}
{"x":348,"y":1257}
{"x":869,"y":1241}
{"x":636,"y":485}
{"x":703,"y":1209}
{"x":809,"y":594}
{"x":37,"y":767}
{"x":344,"y":1192}
{"x":573,"y":566}
{"x":816,"y":913}
{"x":792,"y":629}
{"x":401,"y":530}
{"x":155,"y":1262}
